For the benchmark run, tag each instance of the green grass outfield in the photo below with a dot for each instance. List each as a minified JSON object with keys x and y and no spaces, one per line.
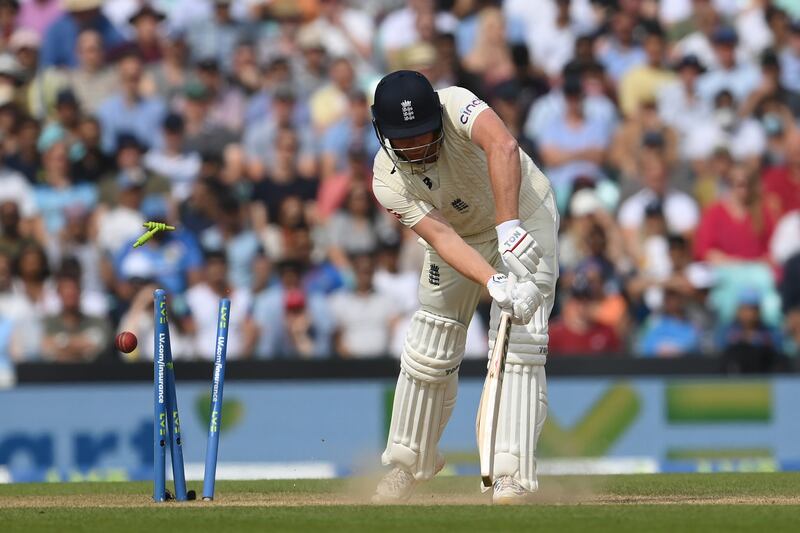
{"x":670,"y":502}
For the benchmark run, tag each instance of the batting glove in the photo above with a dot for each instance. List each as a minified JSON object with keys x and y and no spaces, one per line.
{"x":518,"y":249}
{"x":520,"y":298}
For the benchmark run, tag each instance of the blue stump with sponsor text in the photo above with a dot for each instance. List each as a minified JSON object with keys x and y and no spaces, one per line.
{"x":218,"y":380}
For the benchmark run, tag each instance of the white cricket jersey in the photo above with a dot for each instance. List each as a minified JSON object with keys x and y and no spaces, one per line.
{"x":458,"y":183}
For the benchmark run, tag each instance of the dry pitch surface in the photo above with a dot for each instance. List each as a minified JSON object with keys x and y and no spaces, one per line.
{"x":692,"y":502}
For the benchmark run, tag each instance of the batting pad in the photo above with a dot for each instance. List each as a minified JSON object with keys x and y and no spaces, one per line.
{"x":523,"y":399}
{"x":426,"y":392}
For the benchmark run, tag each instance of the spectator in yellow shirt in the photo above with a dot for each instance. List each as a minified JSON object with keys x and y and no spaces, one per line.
{"x":642,"y":83}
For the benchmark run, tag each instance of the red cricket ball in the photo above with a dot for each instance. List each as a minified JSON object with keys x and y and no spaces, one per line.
{"x":126,"y":342}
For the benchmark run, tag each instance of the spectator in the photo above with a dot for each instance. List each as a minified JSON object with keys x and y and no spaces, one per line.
{"x":172,"y":160}
{"x":329,"y":103}
{"x":748,"y":344}
{"x":59,"y":191}
{"x":353,"y":133}
{"x":344,"y":31}
{"x":574,"y":145}
{"x":202,"y":300}
{"x":642,"y":83}
{"x":71,"y":336}
{"x":232,"y":237}
{"x":216,"y":36}
{"x":292,"y":322}
{"x":147,"y":38}
{"x":576,"y":332}
{"x":679,"y":209}
{"x":260,"y":139}
{"x":58,"y":47}
{"x":123,"y":221}
{"x":785,"y":240}
{"x":364,"y":317}
{"x":202,"y":134}
{"x":669,"y":333}
{"x":618,"y":51}
{"x":679,"y":104}
{"x":90,"y":80}
{"x":490,"y":57}
{"x":92,"y":163}
{"x":227,"y":103}
{"x":643,"y":130}
{"x":12,"y":237}
{"x":128,"y":110}
{"x":170,"y":75}
{"x":25,"y":158}
{"x":781,"y":184}
{"x":737,"y":227}
{"x":789,"y":57}
{"x":399,"y":29}
{"x":740,"y":78}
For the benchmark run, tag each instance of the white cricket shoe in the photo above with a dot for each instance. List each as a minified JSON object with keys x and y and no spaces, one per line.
{"x":398,"y":485}
{"x":509,"y":491}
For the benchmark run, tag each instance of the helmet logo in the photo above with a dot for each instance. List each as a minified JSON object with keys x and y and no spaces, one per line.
{"x":408,"y":111}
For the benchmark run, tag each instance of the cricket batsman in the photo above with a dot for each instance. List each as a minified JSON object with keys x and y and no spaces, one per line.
{"x":451,"y":171}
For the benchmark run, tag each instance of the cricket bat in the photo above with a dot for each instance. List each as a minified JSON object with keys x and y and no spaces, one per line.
{"x":489,"y":407}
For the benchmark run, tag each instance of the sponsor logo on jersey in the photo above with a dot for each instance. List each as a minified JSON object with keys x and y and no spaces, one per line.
{"x":397,"y":215}
{"x":408,"y":111}
{"x":433,"y":274}
{"x":428,"y":182}
{"x":468,"y":109}
{"x":460,"y":205}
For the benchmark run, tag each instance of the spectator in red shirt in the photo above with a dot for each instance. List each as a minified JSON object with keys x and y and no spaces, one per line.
{"x":782,"y":183}
{"x":737,"y":227}
{"x":576,"y":332}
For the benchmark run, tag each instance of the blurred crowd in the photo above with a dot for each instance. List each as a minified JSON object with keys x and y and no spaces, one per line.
{"x":668,"y":129}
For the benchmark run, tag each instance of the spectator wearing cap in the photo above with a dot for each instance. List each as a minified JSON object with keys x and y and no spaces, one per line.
{"x":233,"y":236}
{"x":576,"y":332}
{"x":642,"y":83}
{"x":58,"y":45}
{"x":39,"y":86}
{"x":123,"y":220}
{"x":58,"y":190}
{"x":216,"y":36}
{"x":129,"y":110}
{"x":172,"y":161}
{"x":669,"y":333}
{"x":618,"y":51}
{"x":679,"y":104}
{"x":201,"y":134}
{"x":146,"y":36}
{"x":174,"y":256}
{"x":90,"y":80}
{"x":740,"y":78}
{"x":575,"y":144}
{"x":329,"y":103}
{"x":738,"y":226}
{"x":260,"y":138}
{"x":679,"y":209}
{"x":11,"y":79}
{"x":364,"y":316}
{"x":202,"y":300}
{"x":293,"y":323}
{"x":353,"y":133}
{"x":38,"y":15}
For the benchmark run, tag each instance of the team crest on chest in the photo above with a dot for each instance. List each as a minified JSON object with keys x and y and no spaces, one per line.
{"x":408,"y":111}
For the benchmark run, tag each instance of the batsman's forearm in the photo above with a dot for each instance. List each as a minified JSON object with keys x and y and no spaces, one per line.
{"x":506,"y":175}
{"x":464,"y":258}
